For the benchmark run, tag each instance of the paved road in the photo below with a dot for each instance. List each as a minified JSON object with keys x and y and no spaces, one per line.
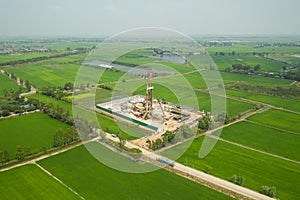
{"x":209,"y":178}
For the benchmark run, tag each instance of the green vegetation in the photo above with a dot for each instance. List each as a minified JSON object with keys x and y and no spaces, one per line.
{"x":204,"y":99}
{"x":7,"y":84}
{"x":249,"y":49}
{"x":256,"y":168}
{"x":34,"y":131}
{"x":278,"y":119}
{"x":44,"y":74}
{"x":30,"y":182}
{"x":10,"y":58}
{"x":106,"y":123}
{"x":129,"y":132}
{"x":264,"y":138}
{"x":276,"y":101}
{"x":266,"y":65}
{"x":254,"y":80}
{"x":46,"y":100}
{"x":90,"y":179}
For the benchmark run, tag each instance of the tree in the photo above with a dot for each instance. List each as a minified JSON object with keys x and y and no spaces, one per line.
{"x":246,"y":67}
{"x":227,"y":69}
{"x":257,"y":67}
{"x":27,"y":84}
{"x":20,"y":152}
{"x":204,"y":123}
{"x":5,"y":113}
{"x":69,"y":86}
{"x":2,"y":156}
{"x":122,"y":141}
{"x":223,"y":117}
{"x":240,"y":180}
{"x":157,"y":144}
{"x":284,"y":68}
{"x":5,"y":156}
{"x":269,"y":191}
{"x":208,"y":169}
{"x":72,"y":132}
{"x":233,"y":178}
{"x":5,"y":93}
{"x":59,"y":138}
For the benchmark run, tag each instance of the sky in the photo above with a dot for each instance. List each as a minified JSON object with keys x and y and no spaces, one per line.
{"x":108,"y":17}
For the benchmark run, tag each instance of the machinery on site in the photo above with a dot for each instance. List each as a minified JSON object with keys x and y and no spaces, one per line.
{"x":165,"y":161}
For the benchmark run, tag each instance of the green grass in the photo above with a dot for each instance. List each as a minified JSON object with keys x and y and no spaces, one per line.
{"x":128,"y":131}
{"x":276,"y":101}
{"x":233,"y":107}
{"x":102,"y":94}
{"x":198,"y":82}
{"x":250,"y":49}
{"x":204,"y":100}
{"x":257,"y":169}
{"x":111,"y":76}
{"x":34,"y":131}
{"x":265,"y":64}
{"x":264,"y":138}
{"x":279,"y":119}
{"x":6,"y":83}
{"x":254,"y":80}
{"x":30,"y":182}
{"x":44,"y":74}
{"x":286,"y":58}
{"x":60,"y":71}
{"x":45,"y":99}
{"x":93,"y":180}
{"x":9,"y":58}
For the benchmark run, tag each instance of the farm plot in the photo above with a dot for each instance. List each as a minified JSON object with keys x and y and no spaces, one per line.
{"x":45,"y":99}
{"x":264,"y":138}
{"x":106,"y":123}
{"x":55,"y":73}
{"x":276,"y":101}
{"x":197,"y":81}
{"x":43,"y":74}
{"x":35,"y":131}
{"x":15,"y":57}
{"x":6,"y":83}
{"x":204,"y":100}
{"x":93,"y":180}
{"x":278,"y":119}
{"x":255,"y":80}
{"x":257,"y":169}
{"x":30,"y":182}
{"x":250,"y":49}
{"x":266,"y":65}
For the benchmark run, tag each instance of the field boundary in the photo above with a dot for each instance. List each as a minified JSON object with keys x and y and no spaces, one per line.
{"x":253,"y":149}
{"x":58,"y":180}
{"x":273,"y":127}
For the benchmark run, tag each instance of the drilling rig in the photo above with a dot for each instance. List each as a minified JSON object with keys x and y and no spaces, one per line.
{"x":148,"y":94}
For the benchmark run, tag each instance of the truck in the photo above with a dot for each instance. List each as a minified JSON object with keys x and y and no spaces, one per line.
{"x":168,"y":162}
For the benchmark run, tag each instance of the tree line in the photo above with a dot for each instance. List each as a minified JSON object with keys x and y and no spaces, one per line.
{"x":285,"y":92}
{"x":58,"y":92}
{"x":36,"y":59}
{"x":65,"y":137}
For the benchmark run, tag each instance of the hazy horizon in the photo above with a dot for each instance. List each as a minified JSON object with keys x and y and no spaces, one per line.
{"x":103,"y":18}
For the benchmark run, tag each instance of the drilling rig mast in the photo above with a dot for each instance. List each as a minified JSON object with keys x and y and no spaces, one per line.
{"x":149,"y":92}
